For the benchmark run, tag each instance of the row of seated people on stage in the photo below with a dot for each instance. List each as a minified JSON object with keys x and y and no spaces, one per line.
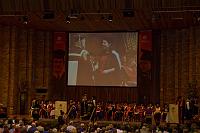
{"x":131,"y":112}
{"x":119,"y":112}
{"x":3,"y":111}
{"x":102,"y":111}
{"x":42,"y":109}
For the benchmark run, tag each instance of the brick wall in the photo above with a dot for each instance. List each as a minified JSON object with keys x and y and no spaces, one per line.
{"x":24,"y":56}
{"x":180,"y":54}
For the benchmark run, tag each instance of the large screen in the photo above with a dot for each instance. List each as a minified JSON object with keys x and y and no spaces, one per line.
{"x":103,"y":59}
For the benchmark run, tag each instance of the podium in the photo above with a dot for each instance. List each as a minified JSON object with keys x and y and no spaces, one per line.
{"x":173,"y":115}
{"x":60,"y":105}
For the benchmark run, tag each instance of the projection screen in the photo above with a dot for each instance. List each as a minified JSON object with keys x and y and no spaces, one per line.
{"x":102,"y":59}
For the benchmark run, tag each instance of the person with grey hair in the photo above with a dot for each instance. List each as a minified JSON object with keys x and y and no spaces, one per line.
{"x":33,"y":128}
{"x":71,"y":128}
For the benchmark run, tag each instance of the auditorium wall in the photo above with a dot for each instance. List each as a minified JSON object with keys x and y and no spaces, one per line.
{"x":179,"y":63}
{"x":25,"y":65}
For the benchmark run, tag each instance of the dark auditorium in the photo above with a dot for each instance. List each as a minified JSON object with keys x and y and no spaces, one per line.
{"x":99,"y":66}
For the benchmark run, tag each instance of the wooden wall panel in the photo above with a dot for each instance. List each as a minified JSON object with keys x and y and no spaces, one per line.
{"x":179,"y":63}
{"x":12,"y":82}
{"x":38,"y":59}
{"x":2,"y":99}
{"x":18,"y":58}
{"x":29,"y":55}
{"x":35,"y":5}
{"x":39,"y":5}
{"x":197,"y":43}
{"x":4,"y":67}
{"x":191,"y":3}
{"x":26,"y":57}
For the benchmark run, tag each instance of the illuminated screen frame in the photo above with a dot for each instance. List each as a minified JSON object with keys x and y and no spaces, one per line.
{"x":88,"y":44}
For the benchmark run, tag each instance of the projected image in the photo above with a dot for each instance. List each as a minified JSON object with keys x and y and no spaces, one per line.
{"x":102,"y":59}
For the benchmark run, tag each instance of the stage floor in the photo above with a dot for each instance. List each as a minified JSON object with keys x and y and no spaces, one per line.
{"x":77,"y":120}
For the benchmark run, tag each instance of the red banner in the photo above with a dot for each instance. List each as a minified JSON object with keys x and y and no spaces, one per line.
{"x":145,"y":40}
{"x":56,"y":91}
{"x":59,"y":40}
{"x":145,"y":50}
{"x":145,"y":66}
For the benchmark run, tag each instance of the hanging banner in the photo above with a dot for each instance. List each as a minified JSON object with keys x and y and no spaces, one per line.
{"x":145,"y":51}
{"x":145,"y":65}
{"x":145,"y":40}
{"x":59,"y":41}
{"x":59,"y":54}
{"x":58,"y":63}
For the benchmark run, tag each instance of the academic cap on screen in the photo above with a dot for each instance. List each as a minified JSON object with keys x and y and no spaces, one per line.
{"x":59,"y":54}
{"x":76,"y":37}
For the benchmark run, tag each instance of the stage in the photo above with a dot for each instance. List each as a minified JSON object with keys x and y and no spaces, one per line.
{"x":100,"y":123}
{"x":88,"y":121}
{"x":76,"y":121}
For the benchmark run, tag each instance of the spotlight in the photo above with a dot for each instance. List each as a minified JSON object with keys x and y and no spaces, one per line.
{"x":67,"y":20}
{"x":110,"y":18}
{"x":25,"y":19}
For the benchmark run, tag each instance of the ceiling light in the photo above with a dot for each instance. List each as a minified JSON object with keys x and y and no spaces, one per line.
{"x":25,"y":19}
{"x":67,"y":20}
{"x":110,"y":18}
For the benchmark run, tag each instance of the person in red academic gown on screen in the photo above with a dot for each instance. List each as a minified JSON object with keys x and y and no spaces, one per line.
{"x":109,"y":67}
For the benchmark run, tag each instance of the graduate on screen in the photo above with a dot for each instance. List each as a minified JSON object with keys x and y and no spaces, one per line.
{"x":109,"y":67}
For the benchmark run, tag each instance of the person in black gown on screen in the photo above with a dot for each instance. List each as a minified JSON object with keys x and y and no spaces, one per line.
{"x":78,"y":52}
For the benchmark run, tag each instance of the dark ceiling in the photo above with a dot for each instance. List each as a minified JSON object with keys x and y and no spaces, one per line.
{"x":92,"y":15}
